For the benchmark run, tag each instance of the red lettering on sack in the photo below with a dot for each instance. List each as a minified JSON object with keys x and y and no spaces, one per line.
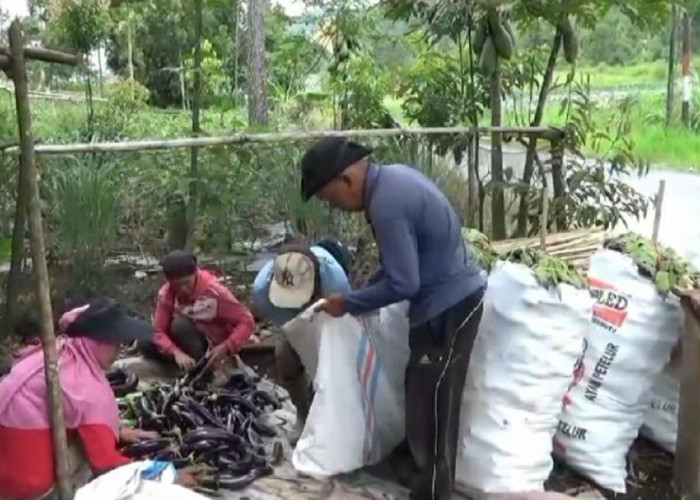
{"x":610,"y":308}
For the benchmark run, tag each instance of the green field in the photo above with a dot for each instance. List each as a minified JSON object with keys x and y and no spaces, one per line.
{"x":639,"y":74}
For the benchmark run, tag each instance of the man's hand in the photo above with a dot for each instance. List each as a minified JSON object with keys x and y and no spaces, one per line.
{"x":183,"y":361}
{"x":333,"y":305}
{"x":217,"y":355}
{"x":189,"y":476}
{"x":128,"y":435}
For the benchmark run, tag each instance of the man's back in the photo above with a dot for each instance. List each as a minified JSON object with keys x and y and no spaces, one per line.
{"x":447,"y":273}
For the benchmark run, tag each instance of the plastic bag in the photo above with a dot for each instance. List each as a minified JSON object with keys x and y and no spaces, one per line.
{"x":357,"y":365}
{"x":127,"y":483}
{"x":528,"y":343}
{"x":633,"y":330}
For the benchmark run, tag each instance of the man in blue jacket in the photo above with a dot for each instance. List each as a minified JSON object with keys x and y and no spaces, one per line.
{"x":286,"y":285}
{"x":423,"y":260}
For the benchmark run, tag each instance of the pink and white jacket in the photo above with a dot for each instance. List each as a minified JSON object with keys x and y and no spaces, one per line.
{"x":212,"y":307}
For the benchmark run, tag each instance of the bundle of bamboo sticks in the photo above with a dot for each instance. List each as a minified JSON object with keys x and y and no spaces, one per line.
{"x":575,"y":247}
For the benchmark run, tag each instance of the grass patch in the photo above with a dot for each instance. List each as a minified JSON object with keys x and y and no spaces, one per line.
{"x":654,"y":142}
{"x":639,"y":74}
{"x":669,"y":146}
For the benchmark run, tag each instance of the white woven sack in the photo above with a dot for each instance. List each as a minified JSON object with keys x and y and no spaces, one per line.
{"x":528,"y":342}
{"x":633,"y":330}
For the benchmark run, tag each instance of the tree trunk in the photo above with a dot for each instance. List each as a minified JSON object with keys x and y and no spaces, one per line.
{"x":558,"y":185}
{"x":17,"y":255}
{"x":498,"y":204}
{"x":473,"y":181}
{"x":99,"y":68}
{"x":236,"y":48}
{"x":670,"y":87}
{"x":129,"y":48}
{"x":687,"y":77}
{"x":529,"y":168}
{"x":194,"y":152}
{"x":257,"y":74}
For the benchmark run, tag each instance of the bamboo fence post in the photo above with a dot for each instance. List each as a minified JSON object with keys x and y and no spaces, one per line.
{"x":40,"y":271}
{"x":658,"y":204}
{"x":686,"y":469}
{"x":543,"y":219}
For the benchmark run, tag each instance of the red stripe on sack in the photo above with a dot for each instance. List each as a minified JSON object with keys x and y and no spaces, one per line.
{"x":610,"y":316}
{"x":596,"y":283}
{"x":368,"y":365}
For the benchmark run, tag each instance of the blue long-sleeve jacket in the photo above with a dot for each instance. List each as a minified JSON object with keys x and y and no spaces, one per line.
{"x":420,"y":243}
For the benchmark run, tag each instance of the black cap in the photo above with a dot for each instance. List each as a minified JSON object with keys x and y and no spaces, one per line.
{"x":178,"y":264}
{"x":104,"y":320}
{"x":325,"y":160}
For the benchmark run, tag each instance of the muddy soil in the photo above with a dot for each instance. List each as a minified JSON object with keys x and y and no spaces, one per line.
{"x":650,"y":476}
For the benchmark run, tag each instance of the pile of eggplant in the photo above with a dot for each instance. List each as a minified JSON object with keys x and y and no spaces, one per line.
{"x":218,"y":428}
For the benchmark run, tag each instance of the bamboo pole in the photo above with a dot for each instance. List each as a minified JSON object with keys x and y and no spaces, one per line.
{"x":46,"y":55}
{"x":658,"y":204}
{"x":543,"y":219}
{"x":40,"y":271}
{"x":267,"y":138}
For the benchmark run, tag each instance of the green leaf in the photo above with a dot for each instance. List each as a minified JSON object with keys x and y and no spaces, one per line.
{"x":663,"y":282}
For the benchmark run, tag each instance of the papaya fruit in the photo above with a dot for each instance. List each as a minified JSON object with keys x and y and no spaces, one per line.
{"x":501,"y":39}
{"x":480,"y":35}
{"x":569,"y":40}
{"x":488,"y":59}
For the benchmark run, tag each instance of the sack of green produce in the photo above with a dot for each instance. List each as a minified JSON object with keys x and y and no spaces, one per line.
{"x":535,"y":317}
{"x":635,"y":324}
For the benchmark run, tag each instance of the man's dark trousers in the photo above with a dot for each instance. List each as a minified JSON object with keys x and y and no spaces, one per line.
{"x":435,"y":376}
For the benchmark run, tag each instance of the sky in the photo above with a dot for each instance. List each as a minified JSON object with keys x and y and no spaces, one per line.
{"x":19,"y":7}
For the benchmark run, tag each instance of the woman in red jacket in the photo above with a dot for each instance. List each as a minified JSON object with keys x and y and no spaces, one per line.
{"x":196,"y":316}
{"x":93,"y":334}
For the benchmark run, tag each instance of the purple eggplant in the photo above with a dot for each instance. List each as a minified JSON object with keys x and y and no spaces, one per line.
{"x":145,"y":448}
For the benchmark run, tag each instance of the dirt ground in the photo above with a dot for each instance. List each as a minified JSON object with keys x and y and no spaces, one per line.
{"x":650,"y":476}
{"x":650,"y":469}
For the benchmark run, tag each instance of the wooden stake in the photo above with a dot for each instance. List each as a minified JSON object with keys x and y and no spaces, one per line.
{"x":687,"y":461}
{"x":46,"y":55}
{"x":543,"y":219}
{"x":40,"y":271}
{"x":658,"y":204}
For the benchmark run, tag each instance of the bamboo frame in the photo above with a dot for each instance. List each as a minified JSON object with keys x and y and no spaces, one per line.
{"x":29,"y":189}
{"x":550,"y":133}
{"x":46,"y":55}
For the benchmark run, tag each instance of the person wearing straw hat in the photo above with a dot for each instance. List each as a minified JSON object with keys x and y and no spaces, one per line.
{"x":423,"y":260}
{"x":288,"y":284}
{"x":93,"y":335}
